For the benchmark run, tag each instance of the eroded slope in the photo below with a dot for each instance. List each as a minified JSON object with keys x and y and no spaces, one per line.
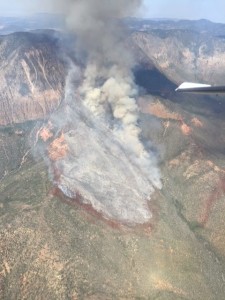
{"x":31,"y":78}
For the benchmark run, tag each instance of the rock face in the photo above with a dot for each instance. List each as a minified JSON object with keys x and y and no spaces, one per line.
{"x":31,"y":78}
{"x":184,"y":55}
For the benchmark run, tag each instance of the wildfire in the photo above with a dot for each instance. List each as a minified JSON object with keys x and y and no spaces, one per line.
{"x":186,"y":129}
{"x":158,"y":110}
{"x":58,"y":148}
{"x":45,"y":134}
{"x":196,"y":122}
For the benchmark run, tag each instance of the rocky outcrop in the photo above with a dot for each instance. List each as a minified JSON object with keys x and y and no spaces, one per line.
{"x":31,"y":78}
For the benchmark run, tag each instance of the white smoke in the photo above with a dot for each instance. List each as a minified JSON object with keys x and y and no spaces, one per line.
{"x":107,"y":163}
{"x":117,"y":95}
{"x":102,"y":167}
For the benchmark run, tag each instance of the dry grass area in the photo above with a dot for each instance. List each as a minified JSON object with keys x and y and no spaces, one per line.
{"x":158,"y":110}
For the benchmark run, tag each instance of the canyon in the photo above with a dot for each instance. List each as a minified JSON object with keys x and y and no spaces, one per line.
{"x":52,"y":242}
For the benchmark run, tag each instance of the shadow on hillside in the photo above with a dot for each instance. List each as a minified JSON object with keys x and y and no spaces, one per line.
{"x":152,"y":81}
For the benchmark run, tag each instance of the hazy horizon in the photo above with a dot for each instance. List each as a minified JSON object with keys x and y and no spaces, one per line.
{"x":162,"y":9}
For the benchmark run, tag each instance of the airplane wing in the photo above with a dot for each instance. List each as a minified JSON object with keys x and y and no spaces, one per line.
{"x":190,"y":87}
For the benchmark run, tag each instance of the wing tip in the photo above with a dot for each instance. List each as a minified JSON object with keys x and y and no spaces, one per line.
{"x":190,"y":85}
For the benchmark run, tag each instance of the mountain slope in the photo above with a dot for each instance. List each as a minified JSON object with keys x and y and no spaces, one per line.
{"x":51,"y":250}
{"x":31,"y":77}
{"x":184,"y":55}
{"x":53,"y":247}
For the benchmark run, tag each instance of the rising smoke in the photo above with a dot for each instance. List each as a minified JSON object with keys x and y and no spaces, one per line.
{"x":107,"y":163}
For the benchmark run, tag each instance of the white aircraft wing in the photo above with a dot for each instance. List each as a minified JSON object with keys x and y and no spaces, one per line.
{"x":191,"y":87}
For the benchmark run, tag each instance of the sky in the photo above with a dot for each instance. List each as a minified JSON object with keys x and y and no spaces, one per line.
{"x":213,"y":10}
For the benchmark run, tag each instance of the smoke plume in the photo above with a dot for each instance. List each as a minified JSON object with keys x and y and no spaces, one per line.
{"x":106,"y":162}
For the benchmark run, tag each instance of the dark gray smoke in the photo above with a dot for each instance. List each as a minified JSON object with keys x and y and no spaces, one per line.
{"x":107,"y":163}
{"x":95,"y":25}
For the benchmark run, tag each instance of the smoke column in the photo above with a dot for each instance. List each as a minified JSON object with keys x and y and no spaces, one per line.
{"x":107,"y":163}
